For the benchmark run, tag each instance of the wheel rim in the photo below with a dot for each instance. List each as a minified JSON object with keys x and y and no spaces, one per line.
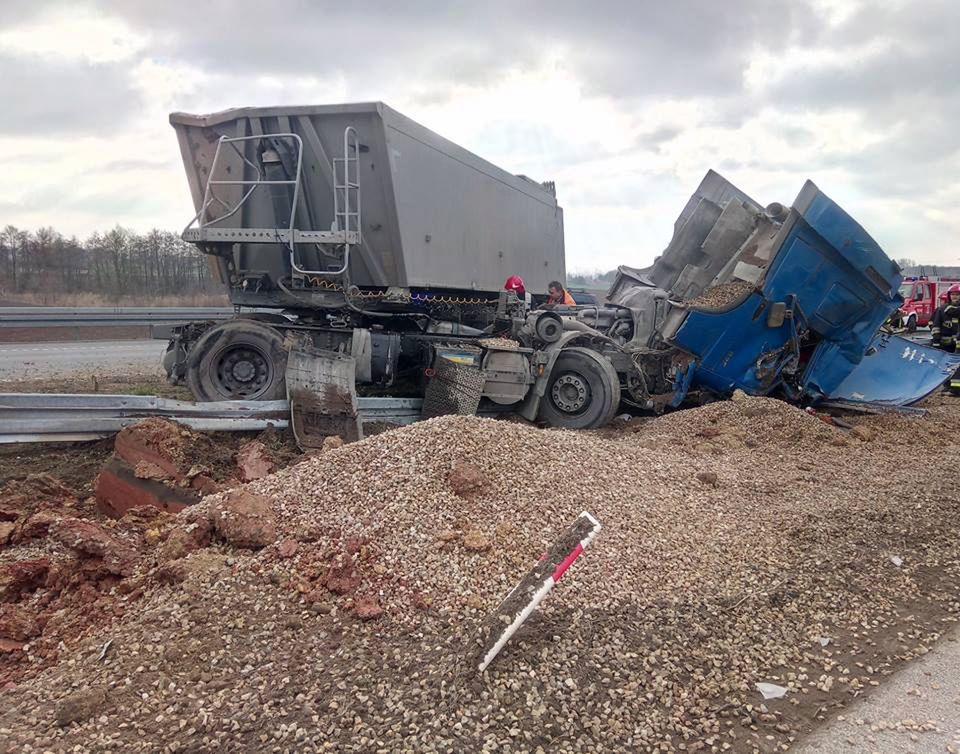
{"x":243,"y":371}
{"x":570,"y":393}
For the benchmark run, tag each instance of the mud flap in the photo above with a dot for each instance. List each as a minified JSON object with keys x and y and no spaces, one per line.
{"x":321,"y":388}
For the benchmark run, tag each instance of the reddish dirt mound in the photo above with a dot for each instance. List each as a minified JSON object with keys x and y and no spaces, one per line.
{"x":61,"y":575}
{"x":66,"y":570}
{"x":158,"y":462}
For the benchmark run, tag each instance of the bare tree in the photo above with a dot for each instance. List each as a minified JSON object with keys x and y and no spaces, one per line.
{"x":13,"y":244}
{"x":116,"y":263}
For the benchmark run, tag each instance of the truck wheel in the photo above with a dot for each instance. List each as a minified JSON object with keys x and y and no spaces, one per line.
{"x":238,"y":360}
{"x":912,"y":323}
{"x":583,"y":391}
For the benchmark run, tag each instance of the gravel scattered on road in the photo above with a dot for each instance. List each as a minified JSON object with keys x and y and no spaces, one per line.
{"x":357,"y":638}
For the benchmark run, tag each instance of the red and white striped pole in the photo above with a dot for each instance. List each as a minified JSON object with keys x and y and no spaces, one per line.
{"x":534,"y":586}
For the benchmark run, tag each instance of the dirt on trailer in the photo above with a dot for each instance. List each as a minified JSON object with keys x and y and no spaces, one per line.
{"x":334,"y":604}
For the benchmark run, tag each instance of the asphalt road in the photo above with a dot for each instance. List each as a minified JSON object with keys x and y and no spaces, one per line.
{"x":924,"y":694}
{"x":52,"y":360}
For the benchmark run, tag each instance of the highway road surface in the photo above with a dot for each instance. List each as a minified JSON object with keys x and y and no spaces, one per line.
{"x":110,"y":357}
{"x":916,"y":710}
{"x":20,"y":361}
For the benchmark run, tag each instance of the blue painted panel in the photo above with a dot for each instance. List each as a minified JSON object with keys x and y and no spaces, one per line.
{"x":728,"y":344}
{"x":842,"y":287}
{"x":896,"y":371}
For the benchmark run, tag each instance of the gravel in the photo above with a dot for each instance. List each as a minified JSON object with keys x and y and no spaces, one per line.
{"x":721,"y":296}
{"x":504,"y":344}
{"x":693,"y":592}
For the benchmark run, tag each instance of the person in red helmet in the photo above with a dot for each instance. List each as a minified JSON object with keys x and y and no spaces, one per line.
{"x":945,"y":325}
{"x":515,"y":283}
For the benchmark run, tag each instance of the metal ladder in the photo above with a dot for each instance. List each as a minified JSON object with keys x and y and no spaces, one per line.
{"x":346,"y":198}
{"x":346,"y":228}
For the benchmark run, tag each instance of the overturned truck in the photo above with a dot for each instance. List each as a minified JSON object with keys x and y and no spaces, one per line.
{"x":352,"y":234}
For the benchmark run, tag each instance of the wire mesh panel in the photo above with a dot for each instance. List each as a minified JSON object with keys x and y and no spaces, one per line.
{"x":455,"y":388}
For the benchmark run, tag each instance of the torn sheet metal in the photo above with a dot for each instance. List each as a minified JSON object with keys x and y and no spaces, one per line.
{"x":895,"y":372}
{"x":810,"y":329}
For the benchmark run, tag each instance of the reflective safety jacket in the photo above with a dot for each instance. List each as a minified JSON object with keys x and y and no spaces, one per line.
{"x":565,"y":298}
{"x":945,"y":326}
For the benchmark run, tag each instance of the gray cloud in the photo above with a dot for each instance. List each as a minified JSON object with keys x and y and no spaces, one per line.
{"x":45,"y":98}
{"x":370,"y":44}
{"x":18,"y":11}
{"x":124,"y":204}
{"x":919,"y":57}
{"x":662,"y":135}
{"x":631,"y":53}
{"x":622,"y":48}
{"x":684,"y":49}
{"x":134,"y":165}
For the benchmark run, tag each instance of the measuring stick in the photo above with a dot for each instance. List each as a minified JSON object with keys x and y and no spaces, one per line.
{"x":534,"y":586}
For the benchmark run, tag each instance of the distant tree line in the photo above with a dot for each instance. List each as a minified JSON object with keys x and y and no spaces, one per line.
{"x":910,"y":267}
{"x":591,"y":280}
{"x":116,"y":263}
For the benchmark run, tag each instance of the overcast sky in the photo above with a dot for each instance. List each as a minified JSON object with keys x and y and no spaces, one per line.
{"x":624,"y":104}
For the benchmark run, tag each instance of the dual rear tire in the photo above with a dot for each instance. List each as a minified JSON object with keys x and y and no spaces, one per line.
{"x":238,"y":360}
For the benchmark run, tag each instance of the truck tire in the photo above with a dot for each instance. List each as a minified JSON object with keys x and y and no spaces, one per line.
{"x":583,"y":391}
{"x":912,"y":323}
{"x":238,"y":360}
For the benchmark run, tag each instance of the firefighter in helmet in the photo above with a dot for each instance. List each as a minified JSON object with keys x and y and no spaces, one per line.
{"x":945,"y":325}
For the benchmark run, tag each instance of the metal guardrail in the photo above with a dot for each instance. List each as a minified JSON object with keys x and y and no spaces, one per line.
{"x":66,"y":316}
{"x":56,"y":417}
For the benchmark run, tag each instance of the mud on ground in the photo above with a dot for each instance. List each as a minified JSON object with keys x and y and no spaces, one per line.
{"x":142,"y":384}
{"x":77,"y":464}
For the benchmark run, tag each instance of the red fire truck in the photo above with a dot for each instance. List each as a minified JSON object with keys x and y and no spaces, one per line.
{"x":921,"y":297}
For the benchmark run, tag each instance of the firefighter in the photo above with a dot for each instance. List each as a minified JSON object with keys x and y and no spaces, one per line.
{"x":557,"y":294}
{"x":945,"y":325}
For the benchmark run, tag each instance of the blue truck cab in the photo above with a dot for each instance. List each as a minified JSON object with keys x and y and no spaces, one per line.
{"x":813,"y":290}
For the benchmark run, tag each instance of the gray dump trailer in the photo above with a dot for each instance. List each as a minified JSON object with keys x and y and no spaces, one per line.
{"x":375,"y":251}
{"x":288,"y":197}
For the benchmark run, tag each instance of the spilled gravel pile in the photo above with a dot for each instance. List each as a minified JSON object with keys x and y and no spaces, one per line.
{"x":332,"y":606}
